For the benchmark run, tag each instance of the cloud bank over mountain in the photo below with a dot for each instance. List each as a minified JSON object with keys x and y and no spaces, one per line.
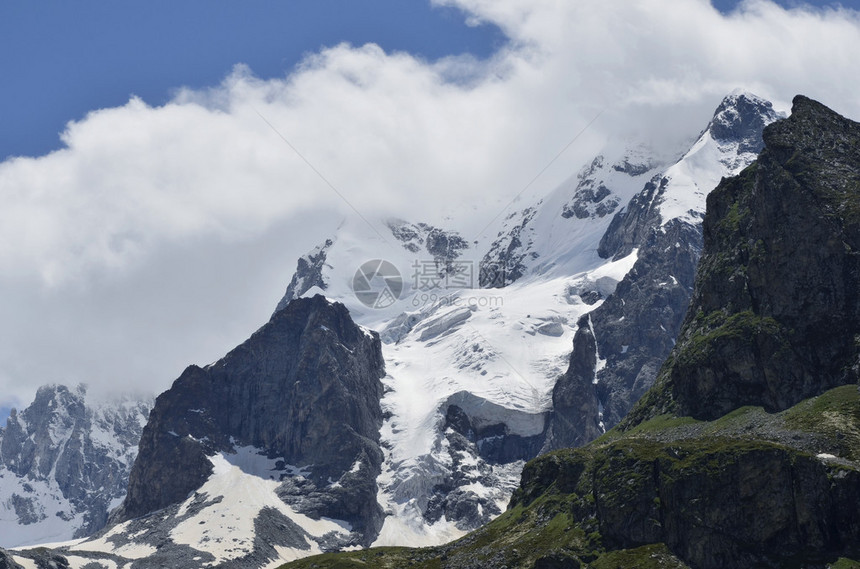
{"x":161,"y":236}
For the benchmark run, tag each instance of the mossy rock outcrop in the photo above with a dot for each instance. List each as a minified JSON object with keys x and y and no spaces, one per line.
{"x":752,"y":489}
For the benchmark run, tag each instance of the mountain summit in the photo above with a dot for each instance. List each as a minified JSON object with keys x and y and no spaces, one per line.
{"x":294,"y":413}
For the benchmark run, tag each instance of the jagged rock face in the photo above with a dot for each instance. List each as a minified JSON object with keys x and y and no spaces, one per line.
{"x":63,"y":457}
{"x":505,"y":262}
{"x":574,"y":419}
{"x":472,"y":453}
{"x":776,"y":313}
{"x":715,"y":503}
{"x":6,"y":561}
{"x":493,"y":442}
{"x":740,"y":119}
{"x":480,"y":452}
{"x":635,"y":328}
{"x":444,"y":247}
{"x":631,"y":227}
{"x":591,"y":193}
{"x":305,"y":388}
{"x":309,"y":274}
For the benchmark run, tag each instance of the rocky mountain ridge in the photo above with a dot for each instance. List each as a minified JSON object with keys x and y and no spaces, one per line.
{"x":634,"y":329}
{"x":64,"y":464}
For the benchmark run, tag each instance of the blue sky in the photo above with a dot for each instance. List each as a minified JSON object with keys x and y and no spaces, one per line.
{"x":166,"y":229}
{"x":728,"y":5}
{"x":60,"y":60}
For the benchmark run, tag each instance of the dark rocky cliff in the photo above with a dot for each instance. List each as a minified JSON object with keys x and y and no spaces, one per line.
{"x":775,"y":317}
{"x":634,"y":329}
{"x":683,"y":483}
{"x":574,"y":420}
{"x":40,"y":558}
{"x":304,"y":388}
{"x":6,"y":561}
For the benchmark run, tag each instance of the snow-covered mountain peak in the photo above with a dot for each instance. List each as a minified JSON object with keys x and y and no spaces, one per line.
{"x":559,"y":234}
{"x":470,"y":370}
{"x":476,"y":332}
{"x":729,"y":144}
{"x":740,"y":118}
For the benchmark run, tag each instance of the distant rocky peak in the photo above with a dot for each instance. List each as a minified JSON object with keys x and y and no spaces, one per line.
{"x":590,"y":169}
{"x":637,"y":159}
{"x":66,"y":456}
{"x":443,"y":245}
{"x":55,"y":410}
{"x":54,"y":394}
{"x":415,"y":237}
{"x":589,"y":197}
{"x":595,"y":195}
{"x":309,"y":274}
{"x":740,"y":118}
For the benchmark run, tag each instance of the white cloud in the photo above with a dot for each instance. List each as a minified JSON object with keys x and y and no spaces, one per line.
{"x":163,"y":236}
